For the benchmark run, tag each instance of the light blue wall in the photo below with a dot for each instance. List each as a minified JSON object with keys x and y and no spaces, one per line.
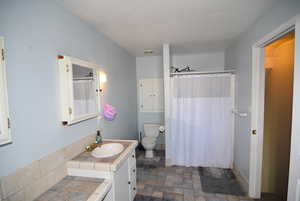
{"x":149,"y":67}
{"x":152,"y":67}
{"x":239,"y":56}
{"x":36,"y":32}
{"x":206,"y":61}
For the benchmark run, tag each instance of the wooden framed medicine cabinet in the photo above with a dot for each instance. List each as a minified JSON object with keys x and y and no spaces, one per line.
{"x":79,"y":90}
{"x":5,"y":134}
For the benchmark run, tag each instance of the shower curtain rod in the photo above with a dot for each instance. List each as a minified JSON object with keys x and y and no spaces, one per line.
{"x":83,"y":78}
{"x":202,"y":72}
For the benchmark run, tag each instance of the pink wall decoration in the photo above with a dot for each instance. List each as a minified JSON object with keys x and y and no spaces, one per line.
{"x":109,"y":112}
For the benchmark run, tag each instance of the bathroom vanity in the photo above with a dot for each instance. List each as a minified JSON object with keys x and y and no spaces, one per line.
{"x":120,"y":169}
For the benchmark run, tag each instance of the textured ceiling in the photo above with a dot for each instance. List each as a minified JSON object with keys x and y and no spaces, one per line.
{"x":188,"y":25}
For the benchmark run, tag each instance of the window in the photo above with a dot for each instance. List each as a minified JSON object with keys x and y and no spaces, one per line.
{"x":5,"y":136}
{"x":80,"y":90}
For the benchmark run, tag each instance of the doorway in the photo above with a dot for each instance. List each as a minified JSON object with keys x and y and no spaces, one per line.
{"x":257,"y":112}
{"x":279,"y":71}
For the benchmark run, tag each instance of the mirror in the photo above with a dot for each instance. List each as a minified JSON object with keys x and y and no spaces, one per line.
{"x":84,"y":91}
{"x":80,"y":96}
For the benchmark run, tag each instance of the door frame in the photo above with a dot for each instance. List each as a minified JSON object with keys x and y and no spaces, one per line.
{"x":257,"y":104}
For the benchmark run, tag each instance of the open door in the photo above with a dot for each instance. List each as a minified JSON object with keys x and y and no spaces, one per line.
{"x":294,"y":174}
{"x":279,"y":71}
{"x":257,"y":113}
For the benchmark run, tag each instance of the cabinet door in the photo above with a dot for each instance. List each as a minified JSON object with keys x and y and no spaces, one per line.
{"x":121,"y":179}
{"x":158,"y":95}
{"x":146,"y":95}
{"x":132,"y":176}
{"x":151,"y":95}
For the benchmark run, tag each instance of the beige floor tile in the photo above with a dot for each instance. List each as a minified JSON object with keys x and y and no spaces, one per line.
{"x":157,"y":194}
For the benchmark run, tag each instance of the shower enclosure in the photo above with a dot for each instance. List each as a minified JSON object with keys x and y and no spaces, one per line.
{"x":201,"y":122}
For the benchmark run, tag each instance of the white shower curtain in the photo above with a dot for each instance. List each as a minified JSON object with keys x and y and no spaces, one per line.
{"x":201,"y":123}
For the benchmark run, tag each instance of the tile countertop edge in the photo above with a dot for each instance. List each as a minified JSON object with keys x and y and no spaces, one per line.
{"x":116,"y":164}
{"x":101,"y":191}
{"x":98,"y":194}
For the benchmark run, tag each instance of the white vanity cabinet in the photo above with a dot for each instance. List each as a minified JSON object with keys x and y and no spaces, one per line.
{"x":124,"y":180}
{"x":120,"y":171}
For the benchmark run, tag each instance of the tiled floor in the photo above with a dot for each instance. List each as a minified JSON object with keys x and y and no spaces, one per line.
{"x":270,"y":197}
{"x":155,"y":182}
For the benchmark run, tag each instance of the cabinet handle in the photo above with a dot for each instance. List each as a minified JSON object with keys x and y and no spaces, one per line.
{"x":134,"y":188}
{"x":129,"y":182}
{"x":133,"y":170}
{"x":133,"y":156}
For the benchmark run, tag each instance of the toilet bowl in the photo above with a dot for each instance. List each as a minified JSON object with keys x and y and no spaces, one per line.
{"x":151,"y":132}
{"x":149,"y":145}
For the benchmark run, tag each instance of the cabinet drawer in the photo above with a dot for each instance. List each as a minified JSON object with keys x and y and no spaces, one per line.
{"x":133,"y":192}
{"x":132,"y":187}
{"x":132,"y":176}
{"x":132,"y":160}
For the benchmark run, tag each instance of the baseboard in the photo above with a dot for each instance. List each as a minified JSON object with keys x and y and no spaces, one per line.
{"x":242,"y":178}
{"x":160,"y":147}
{"x":168,"y":162}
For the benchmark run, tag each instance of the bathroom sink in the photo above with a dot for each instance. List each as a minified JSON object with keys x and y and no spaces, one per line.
{"x":107,"y":150}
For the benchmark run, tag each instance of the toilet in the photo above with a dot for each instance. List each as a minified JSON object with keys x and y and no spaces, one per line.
{"x":149,"y":140}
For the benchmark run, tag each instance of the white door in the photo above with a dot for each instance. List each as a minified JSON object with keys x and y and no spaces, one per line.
{"x":294,"y":173}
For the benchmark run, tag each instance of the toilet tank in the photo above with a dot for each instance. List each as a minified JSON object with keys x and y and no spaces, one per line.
{"x":151,"y":130}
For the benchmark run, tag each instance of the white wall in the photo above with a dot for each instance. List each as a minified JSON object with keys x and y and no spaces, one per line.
{"x":239,"y":55}
{"x":36,"y":32}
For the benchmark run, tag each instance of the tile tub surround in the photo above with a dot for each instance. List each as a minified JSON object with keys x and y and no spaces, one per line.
{"x":29,"y":182}
{"x":77,"y":189}
{"x":156,"y":182}
{"x":87,"y":162}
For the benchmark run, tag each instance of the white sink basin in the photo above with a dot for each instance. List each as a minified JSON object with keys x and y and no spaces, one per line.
{"x":107,"y":150}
